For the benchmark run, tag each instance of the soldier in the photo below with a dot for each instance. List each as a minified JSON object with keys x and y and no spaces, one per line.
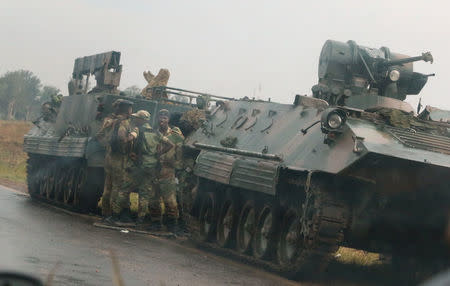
{"x":122,"y":135}
{"x":127,"y":133}
{"x":121,"y":110}
{"x":48,"y":113}
{"x":169,"y":161}
{"x":56,"y":100}
{"x":103,"y":137}
{"x":188,"y":122}
{"x":143,"y":170}
{"x":49,"y":109}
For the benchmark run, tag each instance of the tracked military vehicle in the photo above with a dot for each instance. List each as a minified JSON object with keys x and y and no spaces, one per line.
{"x":65,"y":165}
{"x":287,"y":184}
{"x":281,"y":184}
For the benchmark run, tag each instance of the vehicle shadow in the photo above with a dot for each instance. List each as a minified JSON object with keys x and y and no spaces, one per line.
{"x":339,"y":273}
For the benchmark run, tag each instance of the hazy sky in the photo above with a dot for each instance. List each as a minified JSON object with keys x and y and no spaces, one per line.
{"x":228,"y":48}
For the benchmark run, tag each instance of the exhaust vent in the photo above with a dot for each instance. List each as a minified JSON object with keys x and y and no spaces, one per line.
{"x":421,"y":140}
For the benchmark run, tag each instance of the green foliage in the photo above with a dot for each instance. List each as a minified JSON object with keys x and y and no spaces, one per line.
{"x":132,"y":91}
{"x":21,"y":95}
{"x":18,"y":91}
{"x":47,"y":93}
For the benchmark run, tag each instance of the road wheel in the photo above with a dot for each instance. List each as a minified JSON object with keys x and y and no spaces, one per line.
{"x":289,"y":245}
{"x":43,"y":183}
{"x":246,"y":227}
{"x":90,"y":189}
{"x":226,"y":223}
{"x":32,"y":178}
{"x":59,"y":187}
{"x":207,"y":217}
{"x":68,"y":188}
{"x":50,"y":183}
{"x":263,"y":241}
{"x":79,"y":186}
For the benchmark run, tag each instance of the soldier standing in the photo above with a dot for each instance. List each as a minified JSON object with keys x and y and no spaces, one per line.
{"x":122,"y":136}
{"x":143,"y":170}
{"x":121,"y":110}
{"x":188,"y":122}
{"x":169,"y":160}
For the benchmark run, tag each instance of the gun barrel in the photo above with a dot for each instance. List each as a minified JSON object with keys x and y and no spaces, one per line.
{"x":403,"y":61}
{"x":427,"y":57}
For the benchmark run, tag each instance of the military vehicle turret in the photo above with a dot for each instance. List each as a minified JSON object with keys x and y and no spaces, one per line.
{"x":65,"y":165}
{"x":287,"y":184}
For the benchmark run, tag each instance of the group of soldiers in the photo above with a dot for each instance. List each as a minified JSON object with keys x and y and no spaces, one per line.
{"x":140,"y":159}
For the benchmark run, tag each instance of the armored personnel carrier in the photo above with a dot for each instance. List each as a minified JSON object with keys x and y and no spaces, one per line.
{"x":287,"y":184}
{"x":65,"y":165}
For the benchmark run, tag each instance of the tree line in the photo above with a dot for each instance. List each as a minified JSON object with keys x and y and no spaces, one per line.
{"x":22,"y":94}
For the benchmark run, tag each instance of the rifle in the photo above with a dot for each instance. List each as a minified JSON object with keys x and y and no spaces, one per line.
{"x":166,"y":146}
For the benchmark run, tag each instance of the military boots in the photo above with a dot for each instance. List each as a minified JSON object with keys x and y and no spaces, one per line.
{"x":143,"y":223}
{"x":112,"y":219}
{"x":173,"y":227}
{"x":125,"y":218}
{"x":155,"y":226}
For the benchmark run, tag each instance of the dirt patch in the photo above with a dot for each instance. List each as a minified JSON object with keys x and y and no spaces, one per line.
{"x":17,"y":186}
{"x":13,"y":159}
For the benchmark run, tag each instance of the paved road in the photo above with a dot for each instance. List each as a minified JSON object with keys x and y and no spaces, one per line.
{"x":35,"y":237}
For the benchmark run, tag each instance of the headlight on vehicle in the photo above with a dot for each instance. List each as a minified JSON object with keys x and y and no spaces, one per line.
{"x":333,"y":119}
{"x":394,"y":75}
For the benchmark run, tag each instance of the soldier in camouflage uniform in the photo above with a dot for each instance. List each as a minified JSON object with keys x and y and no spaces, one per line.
{"x":48,"y":113}
{"x":169,"y":160}
{"x":56,"y":100}
{"x":122,"y":136}
{"x":115,"y":135}
{"x":121,"y":111}
{"x":49,"y":109}
{"x":144,"y":163}
{"x":188,"y":122}
{"x":186,"y":183}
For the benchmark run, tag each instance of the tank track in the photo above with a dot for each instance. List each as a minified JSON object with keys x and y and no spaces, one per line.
{"x":59,"y":181}
{"x":323,"y":218}
{"x":324,"y":221}
{"x":194,"y":229}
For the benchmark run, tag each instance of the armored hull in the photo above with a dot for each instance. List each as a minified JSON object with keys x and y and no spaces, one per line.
{"x":289,"y":184}
{"x":292,"y":196}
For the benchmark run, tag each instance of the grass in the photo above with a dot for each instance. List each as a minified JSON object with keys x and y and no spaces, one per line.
{"x":357,"y":267}
{"x":353,"y":256}
{"x":12,"y":158}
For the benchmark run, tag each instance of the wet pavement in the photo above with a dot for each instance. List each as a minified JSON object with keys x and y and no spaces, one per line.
{"x":35,"y":237}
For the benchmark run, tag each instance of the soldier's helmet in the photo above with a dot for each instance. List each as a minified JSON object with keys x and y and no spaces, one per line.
{"x":117,"y":102}
{"x":164,"y":112}
{"x":122,"y":102}
{"x":142,"y":114}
